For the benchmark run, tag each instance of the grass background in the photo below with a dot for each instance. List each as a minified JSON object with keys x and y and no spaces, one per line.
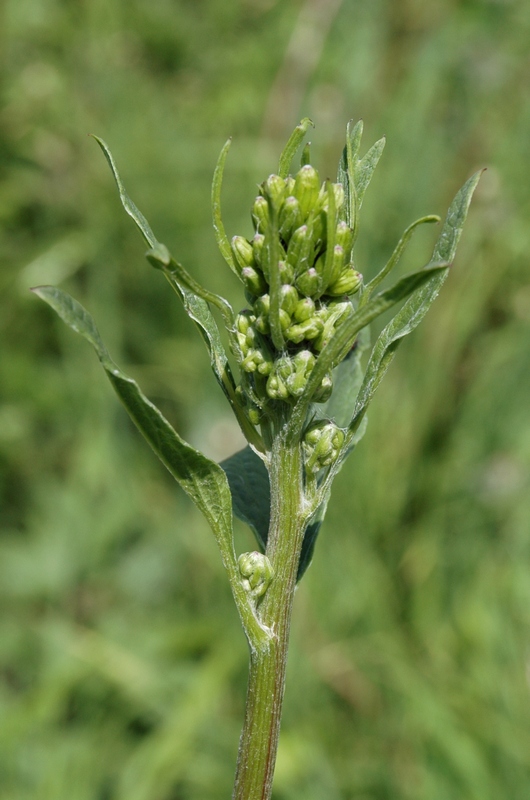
{"x":122,"y":664}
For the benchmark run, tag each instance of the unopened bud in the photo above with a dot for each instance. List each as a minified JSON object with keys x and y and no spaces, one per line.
{"x":256,"y":571}
{"x":289,"y":298}
{"x":323,"y":393}
{"x":309,"y":329}
{"x":306,"y":189}
{"x":348,"y":282}
{"x":304,"y":309}
{"x":308,"y":282}
{"x":260,"y":214}
{"x":322,"y":443}
{"x":274,"y":187}
{"x":303,"y":363}
{"x":300,"y":249}
{"x":253,"y":280}
{"x":257,"y":248}
{"x":289,"y":218}
{"x":242,"y":252}
{"x":344,"y":237}
{"x":286,"y":272}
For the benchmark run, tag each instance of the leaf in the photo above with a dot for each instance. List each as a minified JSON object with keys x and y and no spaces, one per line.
{"x":251,"y":498}
{"x":194,"y":298}
{"x":127,"y":203}
{"x":346,"y":171}
{"x":347,"y":380}
{"x":418,"y":304}
{"x":203,"y":480}
{"x":249,"y":483}
{"x":396,"y":255}
{"x":364,"y":169}
{"x":218,"y":226}
{"x":295,"y":140}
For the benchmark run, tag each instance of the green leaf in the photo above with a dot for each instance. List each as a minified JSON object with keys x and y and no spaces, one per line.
{"x":251,"y":497}
{"x":218,"y":226}
{"x":347,"y":380}
{"x":249,"y":483}
{"x":194,"y":298}
{"x":346,"y":171}
{"x":396,"y":255}
{"x":127,"y":203}
{"x":295,"y":140}
{"x":203,"y":480}
{"x":364,"y":169}
{"x":418,"y":304}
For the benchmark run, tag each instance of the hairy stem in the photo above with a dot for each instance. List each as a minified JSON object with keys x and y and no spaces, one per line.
{"x":259,"y":738}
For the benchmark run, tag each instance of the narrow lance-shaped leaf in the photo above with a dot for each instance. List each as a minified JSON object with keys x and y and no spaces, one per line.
{"x":338,"y":346}
{"x":203,"y":480}
{"x":295,"y":140}
{"x":418,"y":304}
{"x":194,"y":301}
{"x":218,"y":226}
{"x":364,"y":169}
{"x":160,"y":258}
{"x":396,"y":255}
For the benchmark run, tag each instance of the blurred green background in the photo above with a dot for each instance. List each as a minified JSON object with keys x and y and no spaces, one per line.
{"x":122,"y":664}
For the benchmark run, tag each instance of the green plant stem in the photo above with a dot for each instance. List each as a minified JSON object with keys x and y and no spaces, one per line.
{"x":259,"y":738}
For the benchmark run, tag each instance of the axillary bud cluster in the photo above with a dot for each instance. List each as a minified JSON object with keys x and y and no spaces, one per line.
{"x":316,"y":277}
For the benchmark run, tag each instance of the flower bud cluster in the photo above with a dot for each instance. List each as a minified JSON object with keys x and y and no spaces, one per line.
{"x":322,"y":443}
{"x":315,"y":284}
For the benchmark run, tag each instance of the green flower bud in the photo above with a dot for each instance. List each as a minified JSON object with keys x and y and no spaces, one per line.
{"x":337,"y":265}
{"x":257,"y":360}
{"x":285,"y":319}
{"x":308,"y":282}
{"x":304,"y":309}
{"x":289,"y":185}
{"x":286,"y":272}
{"x":306,"y":189}
{"x":348,"y":282}
{"x":309,"y":329}
{"x":331,"y":315}
{"x":262,"y":325}
{"x":262,"y":305}
{"x":300,"y":249}
{"x":289,"y":218}
{"x":322,"y":443}
{"x":303,"y":363}
{"x":260,"y":214}
{"x":244,"y":320}
{"x":242,"y":252}
{"x":289,"y":298}
{"x":253,"y":281}
{"x":276,"y":388}
{"x":323,"y":393}
{"x":257,"y":248}
{"x":344,"y":237}
{"x":274,"y":187}
{"x":256,"y":571}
